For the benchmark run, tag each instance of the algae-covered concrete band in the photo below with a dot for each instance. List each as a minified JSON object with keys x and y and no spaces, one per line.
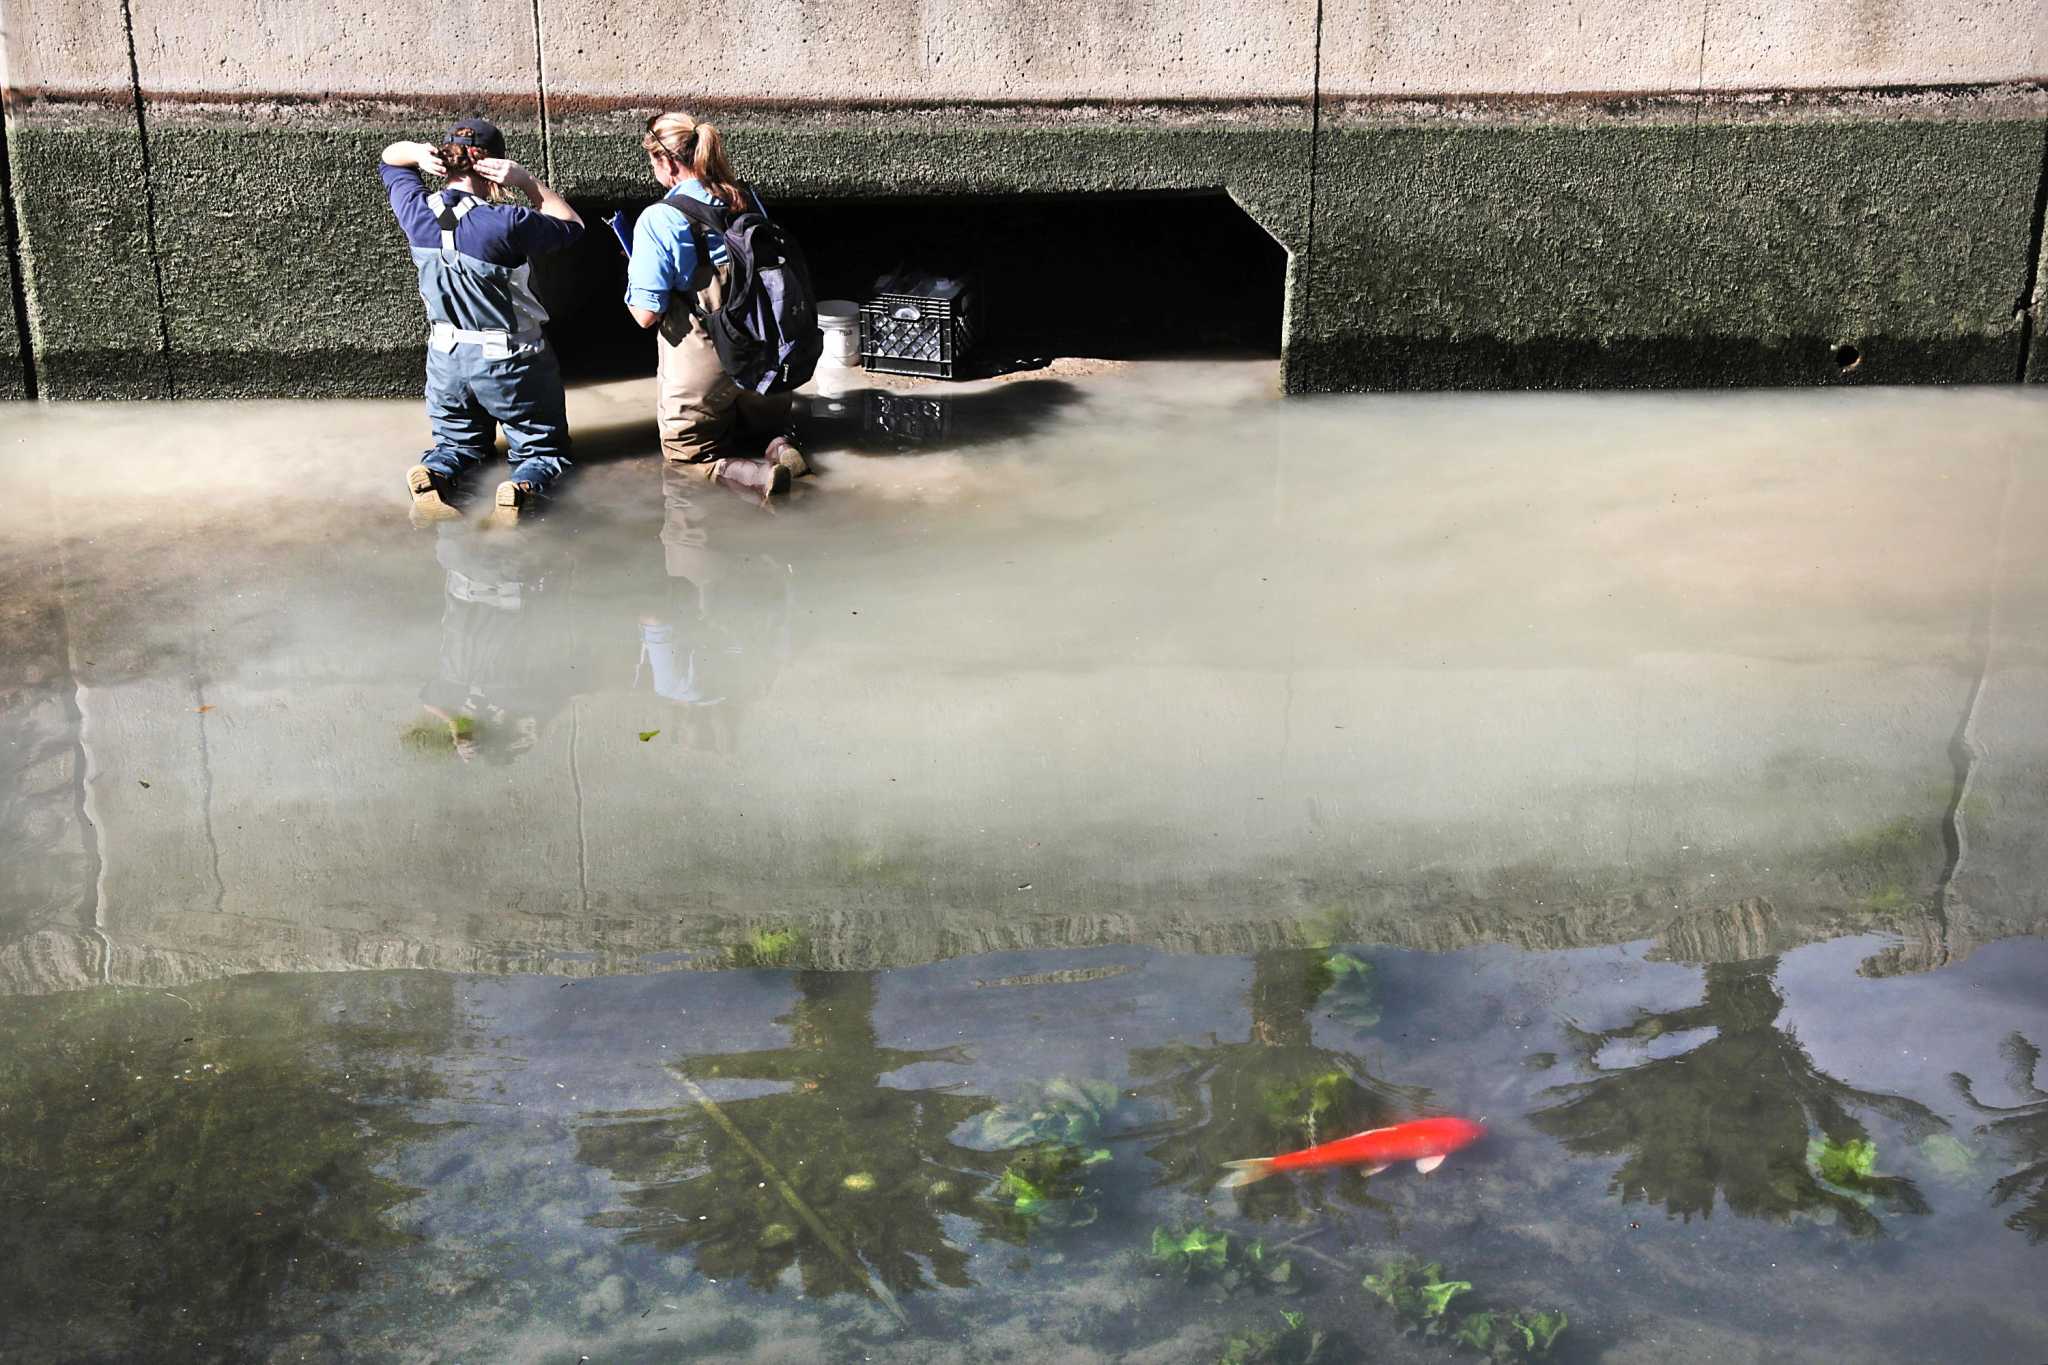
{"x":1496,"y":195}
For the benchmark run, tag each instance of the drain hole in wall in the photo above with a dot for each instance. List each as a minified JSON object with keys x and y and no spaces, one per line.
{"x":1103,"y":276}
{"x":1848,"y":357}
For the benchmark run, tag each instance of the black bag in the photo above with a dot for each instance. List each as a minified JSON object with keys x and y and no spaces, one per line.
{"x":766,"y":330}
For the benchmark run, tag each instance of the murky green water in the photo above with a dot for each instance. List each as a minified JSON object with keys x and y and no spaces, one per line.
{"x":863,"y":932}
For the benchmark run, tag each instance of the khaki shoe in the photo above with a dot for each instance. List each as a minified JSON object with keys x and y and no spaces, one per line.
{"x":783,"y":451}
{"x":511,"y":500}
{"x":427,"y":503}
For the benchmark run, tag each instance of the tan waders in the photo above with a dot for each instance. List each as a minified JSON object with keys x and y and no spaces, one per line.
{"x":427,"y":503}
{"x":706,"y":420}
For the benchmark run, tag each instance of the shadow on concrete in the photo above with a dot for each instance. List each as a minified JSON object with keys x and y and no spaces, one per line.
{"x":871,"y":421}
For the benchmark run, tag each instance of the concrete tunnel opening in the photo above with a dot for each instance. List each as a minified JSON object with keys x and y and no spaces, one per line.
{"x":1103,"y":276}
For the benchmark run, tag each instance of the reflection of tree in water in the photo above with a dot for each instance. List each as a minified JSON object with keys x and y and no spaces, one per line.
{"x":1733,"y":1115}
{"x":2024,"y":1127}
{"x":172,"y":1170}
{"x":875,"y":1164}
{"x":1275,"y":1092}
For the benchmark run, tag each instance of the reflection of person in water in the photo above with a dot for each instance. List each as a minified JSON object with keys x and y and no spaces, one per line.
{"x":1275,"y":1092}
{"x":1734,"y":1115}
{"x":499,"y":676}
{"x":723,"y":636}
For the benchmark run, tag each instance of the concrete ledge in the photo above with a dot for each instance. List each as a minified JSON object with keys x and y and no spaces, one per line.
{"x":1555,"y":244}
{"x":333,"y":372}
{"x":13,"y":372}
{"x":1382,"y":363}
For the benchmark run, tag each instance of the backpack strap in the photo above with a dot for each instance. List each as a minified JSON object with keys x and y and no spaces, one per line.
{"x":700,"y":218}
{"x":447,"y":215}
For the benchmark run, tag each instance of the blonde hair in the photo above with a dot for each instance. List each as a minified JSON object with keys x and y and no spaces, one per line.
{"x":698,"y":147}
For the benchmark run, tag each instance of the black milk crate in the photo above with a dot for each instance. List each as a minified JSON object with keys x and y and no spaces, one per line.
{"x":918,"y":324}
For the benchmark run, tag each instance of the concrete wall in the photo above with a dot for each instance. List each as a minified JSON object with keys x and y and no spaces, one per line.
{"x":13,"y":369}
{"x":1494,"y":194}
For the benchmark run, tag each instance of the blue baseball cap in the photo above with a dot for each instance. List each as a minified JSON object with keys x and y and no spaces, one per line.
{"x":479,"y":133}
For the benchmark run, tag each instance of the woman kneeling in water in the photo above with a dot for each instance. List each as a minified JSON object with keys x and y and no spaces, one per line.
{"x":677,"y":271}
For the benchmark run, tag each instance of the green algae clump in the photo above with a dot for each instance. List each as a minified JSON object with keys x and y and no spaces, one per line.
{"x":1296,"y":1343}
{"x":1420,"y":1295}
{"x":1206,"y":1256}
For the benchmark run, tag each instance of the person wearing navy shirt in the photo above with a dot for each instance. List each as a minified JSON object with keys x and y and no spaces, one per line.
{"x":488,"y":363}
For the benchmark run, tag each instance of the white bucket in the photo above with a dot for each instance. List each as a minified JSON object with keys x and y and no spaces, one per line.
{"x":839,"y":320}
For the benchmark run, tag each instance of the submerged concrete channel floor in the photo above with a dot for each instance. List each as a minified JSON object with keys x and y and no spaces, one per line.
{"x":1659,"y":778}
{"x":1140,"y":656}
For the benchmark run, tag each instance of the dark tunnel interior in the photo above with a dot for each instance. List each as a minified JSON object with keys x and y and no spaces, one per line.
{"x":1105,"y":276}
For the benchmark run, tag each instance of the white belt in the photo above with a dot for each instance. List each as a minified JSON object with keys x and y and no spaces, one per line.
{"x":494,"y":340}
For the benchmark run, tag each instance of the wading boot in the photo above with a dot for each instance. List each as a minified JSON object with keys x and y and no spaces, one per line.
{"x":512,"y":499}
{"x":783,"y":451}
{"x":760,"y":479}
{"x":427,"y":503}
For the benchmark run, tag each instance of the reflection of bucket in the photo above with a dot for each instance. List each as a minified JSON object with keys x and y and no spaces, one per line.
{"x":839,"y":320}
{"x":836,"y":381}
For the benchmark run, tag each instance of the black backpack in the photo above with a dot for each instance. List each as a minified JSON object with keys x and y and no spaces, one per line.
{"x":766,"y":330}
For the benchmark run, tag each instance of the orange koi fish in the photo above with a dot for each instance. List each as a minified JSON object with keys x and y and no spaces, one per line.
{"x":1426,"y":1142}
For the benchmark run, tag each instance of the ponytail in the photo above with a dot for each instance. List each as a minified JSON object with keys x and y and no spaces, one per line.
{"x":700,"y":149}
{"x":460,"y":158}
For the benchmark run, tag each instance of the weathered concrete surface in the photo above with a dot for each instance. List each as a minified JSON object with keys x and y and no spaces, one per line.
{"x":1550,"y":47}
{"x":941,"y":50}
{"x":282,"y":269}
{"x":1795,"y":44}
{"x":81,"y":201}
{"x":461,"y":51}
{"x":2034,"y":301}
{"x":1648,"y":250}
{"x":1530,"y":697}
{"x":291,"y":285}
{"x":13,"y":370}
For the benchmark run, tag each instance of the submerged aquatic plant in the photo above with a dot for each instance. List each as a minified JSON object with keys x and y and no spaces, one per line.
{"x":1207,"y":1256}
{"x":775,"y":947}
{"x":1420,"y":1295}
{"x":1059,"y":1131}
{"x":435,"y":736}
{"x":1508,"y":1337}
{"x":1353,"y":995}
{"x":1067,"y":1112}
{"x":1296,"y":1343}
{"x":1847,"y":1164}
{"x":1948,"y":1155}
{"x":1417,"y":1292}
{"x":1047,"y":1186}
{"x":1193,"y":1250}
{"x":1304,"y":1106}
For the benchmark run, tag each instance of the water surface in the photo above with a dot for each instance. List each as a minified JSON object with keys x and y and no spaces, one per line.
{"x":653,"y":932}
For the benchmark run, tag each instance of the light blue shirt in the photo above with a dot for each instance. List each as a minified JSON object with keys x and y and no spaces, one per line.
{"x":664,"y":258}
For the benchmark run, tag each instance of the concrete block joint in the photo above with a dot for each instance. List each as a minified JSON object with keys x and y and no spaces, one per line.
{"x":1653,"y":198}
